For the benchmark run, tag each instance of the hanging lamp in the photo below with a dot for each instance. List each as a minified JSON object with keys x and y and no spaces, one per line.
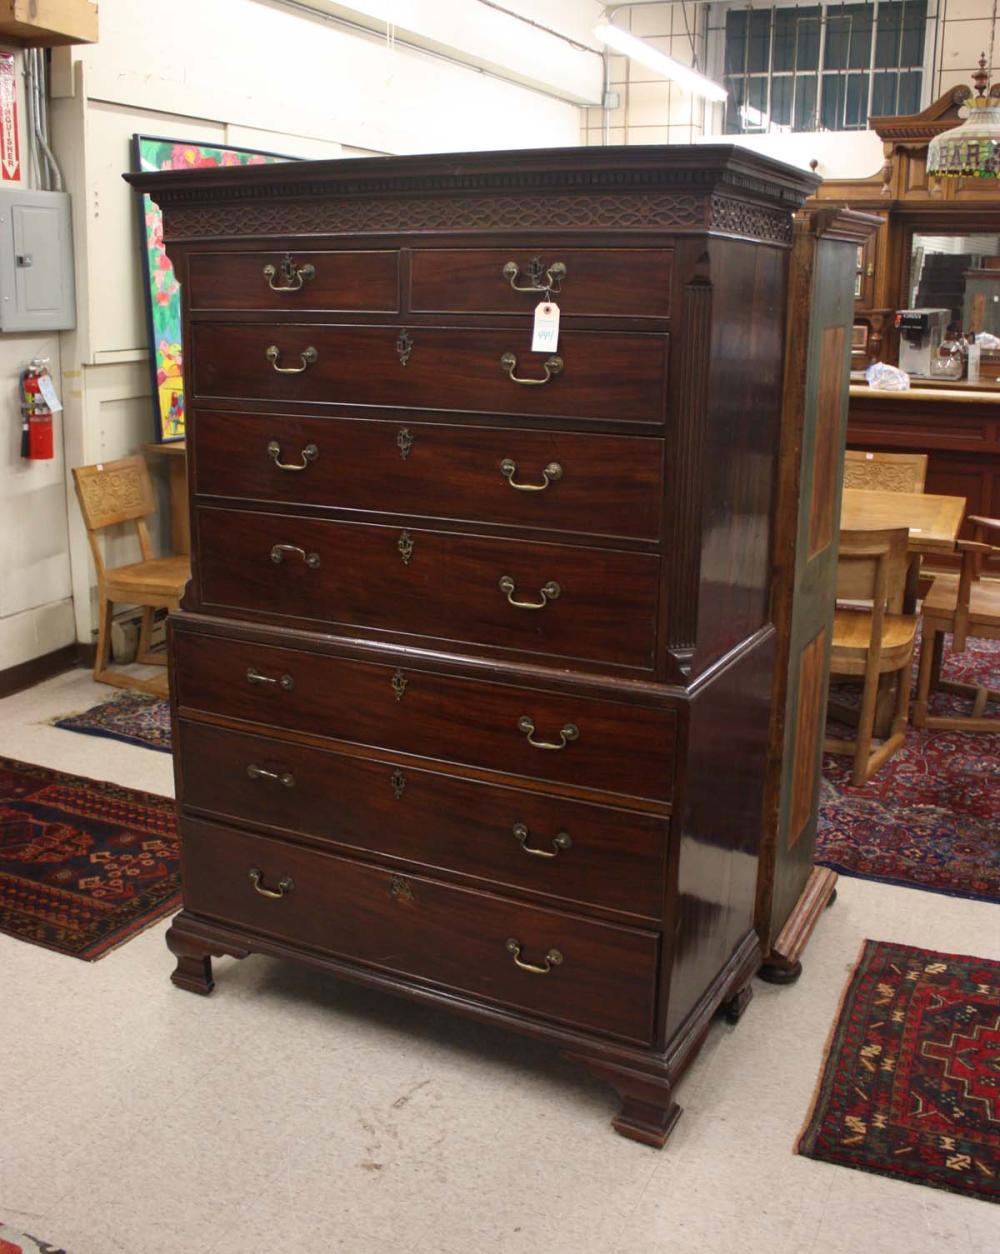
{"x":971,"y":150}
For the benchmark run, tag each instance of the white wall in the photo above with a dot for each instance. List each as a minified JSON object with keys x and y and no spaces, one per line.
{"x":36,"y":613}
{"x":252,"y":73}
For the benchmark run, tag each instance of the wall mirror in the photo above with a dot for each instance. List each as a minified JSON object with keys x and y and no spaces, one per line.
{"x":960,"y":273}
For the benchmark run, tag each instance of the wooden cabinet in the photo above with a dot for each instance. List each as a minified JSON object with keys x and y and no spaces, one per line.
{"x":473,"y":677}
{"x":49,"y":23}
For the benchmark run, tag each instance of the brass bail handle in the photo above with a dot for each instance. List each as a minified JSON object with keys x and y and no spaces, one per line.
{"x":278,"y":552}
{"x":567,"y":733}
{"x":548,"y":593}
{"x":285,"y":778}
{"x":552,"y":366}
{"x":308,"y":357}
{"x":560,"y":842}
{"x":539,"y":278}
{"x":308,"y":454}
{"x":552,"y":473}
{"x":292,"y":276}
{"x":552,"y":959}
{"x":285,"y":682}
{"x":285,"y":885}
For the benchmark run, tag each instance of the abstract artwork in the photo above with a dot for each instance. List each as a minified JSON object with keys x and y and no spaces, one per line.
{"x":163,"y":298}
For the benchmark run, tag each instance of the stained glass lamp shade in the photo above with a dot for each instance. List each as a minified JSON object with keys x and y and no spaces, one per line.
{"x":971,"y":150}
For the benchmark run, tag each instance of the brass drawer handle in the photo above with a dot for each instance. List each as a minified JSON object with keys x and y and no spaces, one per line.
{"x":551,"y":366}
{"x":308,"y":454}
{"x":308,"y":356}
{"x":548,"y":593}
{"x":293,"y":276}
{"x":551,"y":474}
{"x":285,"y":886}
{"x":285,"y":682}
{"x":560,"y":841}
{"x":282,"y":777}
{"x":567,"y":733}
{"x":539,"y":279}
{"x":552,"y":959}
{"x":278,"y":552}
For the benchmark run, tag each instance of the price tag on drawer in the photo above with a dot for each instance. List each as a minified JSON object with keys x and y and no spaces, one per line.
{"x":545,"y":336}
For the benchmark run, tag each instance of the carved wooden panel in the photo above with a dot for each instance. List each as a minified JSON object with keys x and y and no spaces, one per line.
{"x":826,"y":451}
{"x":115,"y":493}
{"x":810,"y":706}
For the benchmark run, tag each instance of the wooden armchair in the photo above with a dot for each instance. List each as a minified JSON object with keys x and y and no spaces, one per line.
{"x":872,"y":642}
{"x":885,"y":472}
{"x":966,"y":606}
{"x":112,"y":493}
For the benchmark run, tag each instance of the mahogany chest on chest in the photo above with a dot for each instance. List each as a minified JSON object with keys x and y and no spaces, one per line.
{"x":471,"y":683}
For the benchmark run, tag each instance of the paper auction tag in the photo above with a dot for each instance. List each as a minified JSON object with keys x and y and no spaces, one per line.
{"x":545,"y":336}
{"x":49,"y":394}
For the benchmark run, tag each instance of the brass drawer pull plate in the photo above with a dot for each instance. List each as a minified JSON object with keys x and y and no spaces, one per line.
{"x":308,"y":356}
{"x":552,"y":473}
{"x":548,"y":593}
{"x":552,"y":366}
{"x":285,"y":682}
{"x":281,"y":777}
{"x":292,"y":276}
{"x":308,"y":454}
{"x":539,"y":278}
{"x":278,"y":552}
{"x":552,"y":959}
{"x":567,"y":733}
{"x":285,"y":886}
{"x":560,"y":842}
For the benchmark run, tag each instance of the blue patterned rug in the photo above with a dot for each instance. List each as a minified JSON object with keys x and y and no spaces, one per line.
{"x":133,"y":717}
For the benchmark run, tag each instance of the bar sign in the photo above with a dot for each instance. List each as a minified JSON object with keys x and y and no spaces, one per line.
{"x":10,"y":152}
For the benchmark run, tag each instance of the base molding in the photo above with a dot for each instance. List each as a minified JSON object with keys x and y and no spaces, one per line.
{"x":35,"y":670}
{"x":782,"y":963}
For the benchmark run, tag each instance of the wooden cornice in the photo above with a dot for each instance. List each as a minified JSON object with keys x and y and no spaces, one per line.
{"x":843,"y":224}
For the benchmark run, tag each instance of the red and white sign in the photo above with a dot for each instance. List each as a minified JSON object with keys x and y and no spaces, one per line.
{"x":10,"y":148}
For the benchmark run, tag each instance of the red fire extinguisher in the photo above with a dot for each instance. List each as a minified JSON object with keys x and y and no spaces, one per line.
{"x":36,"y":412}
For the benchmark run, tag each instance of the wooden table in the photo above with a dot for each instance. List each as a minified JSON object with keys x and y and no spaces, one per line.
{"x":175,"y":452}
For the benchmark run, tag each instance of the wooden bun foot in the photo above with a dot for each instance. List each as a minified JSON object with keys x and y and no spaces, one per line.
{"x":780,"y":972}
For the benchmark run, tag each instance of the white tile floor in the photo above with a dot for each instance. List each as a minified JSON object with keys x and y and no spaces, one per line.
{"x":292,"y":1112}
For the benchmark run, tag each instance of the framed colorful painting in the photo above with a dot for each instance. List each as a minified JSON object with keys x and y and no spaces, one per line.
{"x":163,"y":297}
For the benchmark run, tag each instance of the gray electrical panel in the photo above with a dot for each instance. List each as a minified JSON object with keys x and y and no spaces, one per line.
{"x":36,"y":261}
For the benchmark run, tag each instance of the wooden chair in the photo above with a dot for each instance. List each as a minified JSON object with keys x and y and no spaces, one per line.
{"x":872,"y":642}
{"x":885,"y":472}
{"x":112,"y":493}
{"x":965,"y":605}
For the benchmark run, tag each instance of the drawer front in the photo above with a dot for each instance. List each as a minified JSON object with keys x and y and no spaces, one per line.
{"x":583,"y":603}
{"x":560,"y":481}
{"x":569,"y":850}
{"x":606,"y":376}
{"x":366,"y":280}
{"x":602,"y":976}
{"x":600,"y":282}
{"x":617,"y":748}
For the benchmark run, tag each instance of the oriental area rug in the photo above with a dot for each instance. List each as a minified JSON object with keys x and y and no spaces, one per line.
{"x":84,"y":865}
{"x":928,"y":818}
{"x":14,"y":1242}
{"x":910,"y":1086}
{"x":134,"y":717}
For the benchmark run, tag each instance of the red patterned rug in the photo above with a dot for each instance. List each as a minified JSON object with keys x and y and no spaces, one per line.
{"x":928,"y":818}
{"x":134,"y":717}
{"x":911,"y":1083}
{"x":14,"y":1242}
{"x":84,"y":865}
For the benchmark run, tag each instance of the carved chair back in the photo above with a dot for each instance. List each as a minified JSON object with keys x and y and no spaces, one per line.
{"x":885,"y":472}
{"x":111,"y":493}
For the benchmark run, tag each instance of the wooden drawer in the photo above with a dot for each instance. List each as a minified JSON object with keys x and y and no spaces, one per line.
{"x":619,"y":748}
{"x":604,"y":485}
{"x":364,"y":280}
{"x":603,"y":978}
{"x":607,"y":376}
{"x":600,"y":282}
{"x":598,"y":604}
{"x":571,"y":850}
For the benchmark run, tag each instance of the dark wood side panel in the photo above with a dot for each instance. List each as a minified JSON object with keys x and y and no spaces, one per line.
{"x":607,"y":375}
{"x":586,"y":603}
{"x":346,"y":280}
{"x":600,"y":282}
{"x":604,"y":977}
{"x":578,"y":853}
{"x":621,"y":748}
{"x":810,"y":707}
{"x":827,"y":449}
{"x":601,"y":485}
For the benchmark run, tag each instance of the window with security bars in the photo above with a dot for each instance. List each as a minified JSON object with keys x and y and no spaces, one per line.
{"x":822,"y":66}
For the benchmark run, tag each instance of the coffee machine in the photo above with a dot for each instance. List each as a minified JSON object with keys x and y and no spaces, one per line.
{"x":920,"y":334}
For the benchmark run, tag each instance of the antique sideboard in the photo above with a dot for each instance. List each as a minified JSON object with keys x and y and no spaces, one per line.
{"x":472,"y":682}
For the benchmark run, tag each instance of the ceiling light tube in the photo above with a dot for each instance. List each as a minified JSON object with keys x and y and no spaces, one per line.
{"x":646,"y":54}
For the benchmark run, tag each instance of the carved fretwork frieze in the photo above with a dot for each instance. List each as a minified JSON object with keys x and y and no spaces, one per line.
{"x":740,"y":217}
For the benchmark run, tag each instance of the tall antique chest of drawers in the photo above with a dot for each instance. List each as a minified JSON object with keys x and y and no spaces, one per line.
{"x":471,"y":682}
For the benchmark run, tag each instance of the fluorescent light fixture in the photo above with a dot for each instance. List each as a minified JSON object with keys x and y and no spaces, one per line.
{"x":647,"y":55}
